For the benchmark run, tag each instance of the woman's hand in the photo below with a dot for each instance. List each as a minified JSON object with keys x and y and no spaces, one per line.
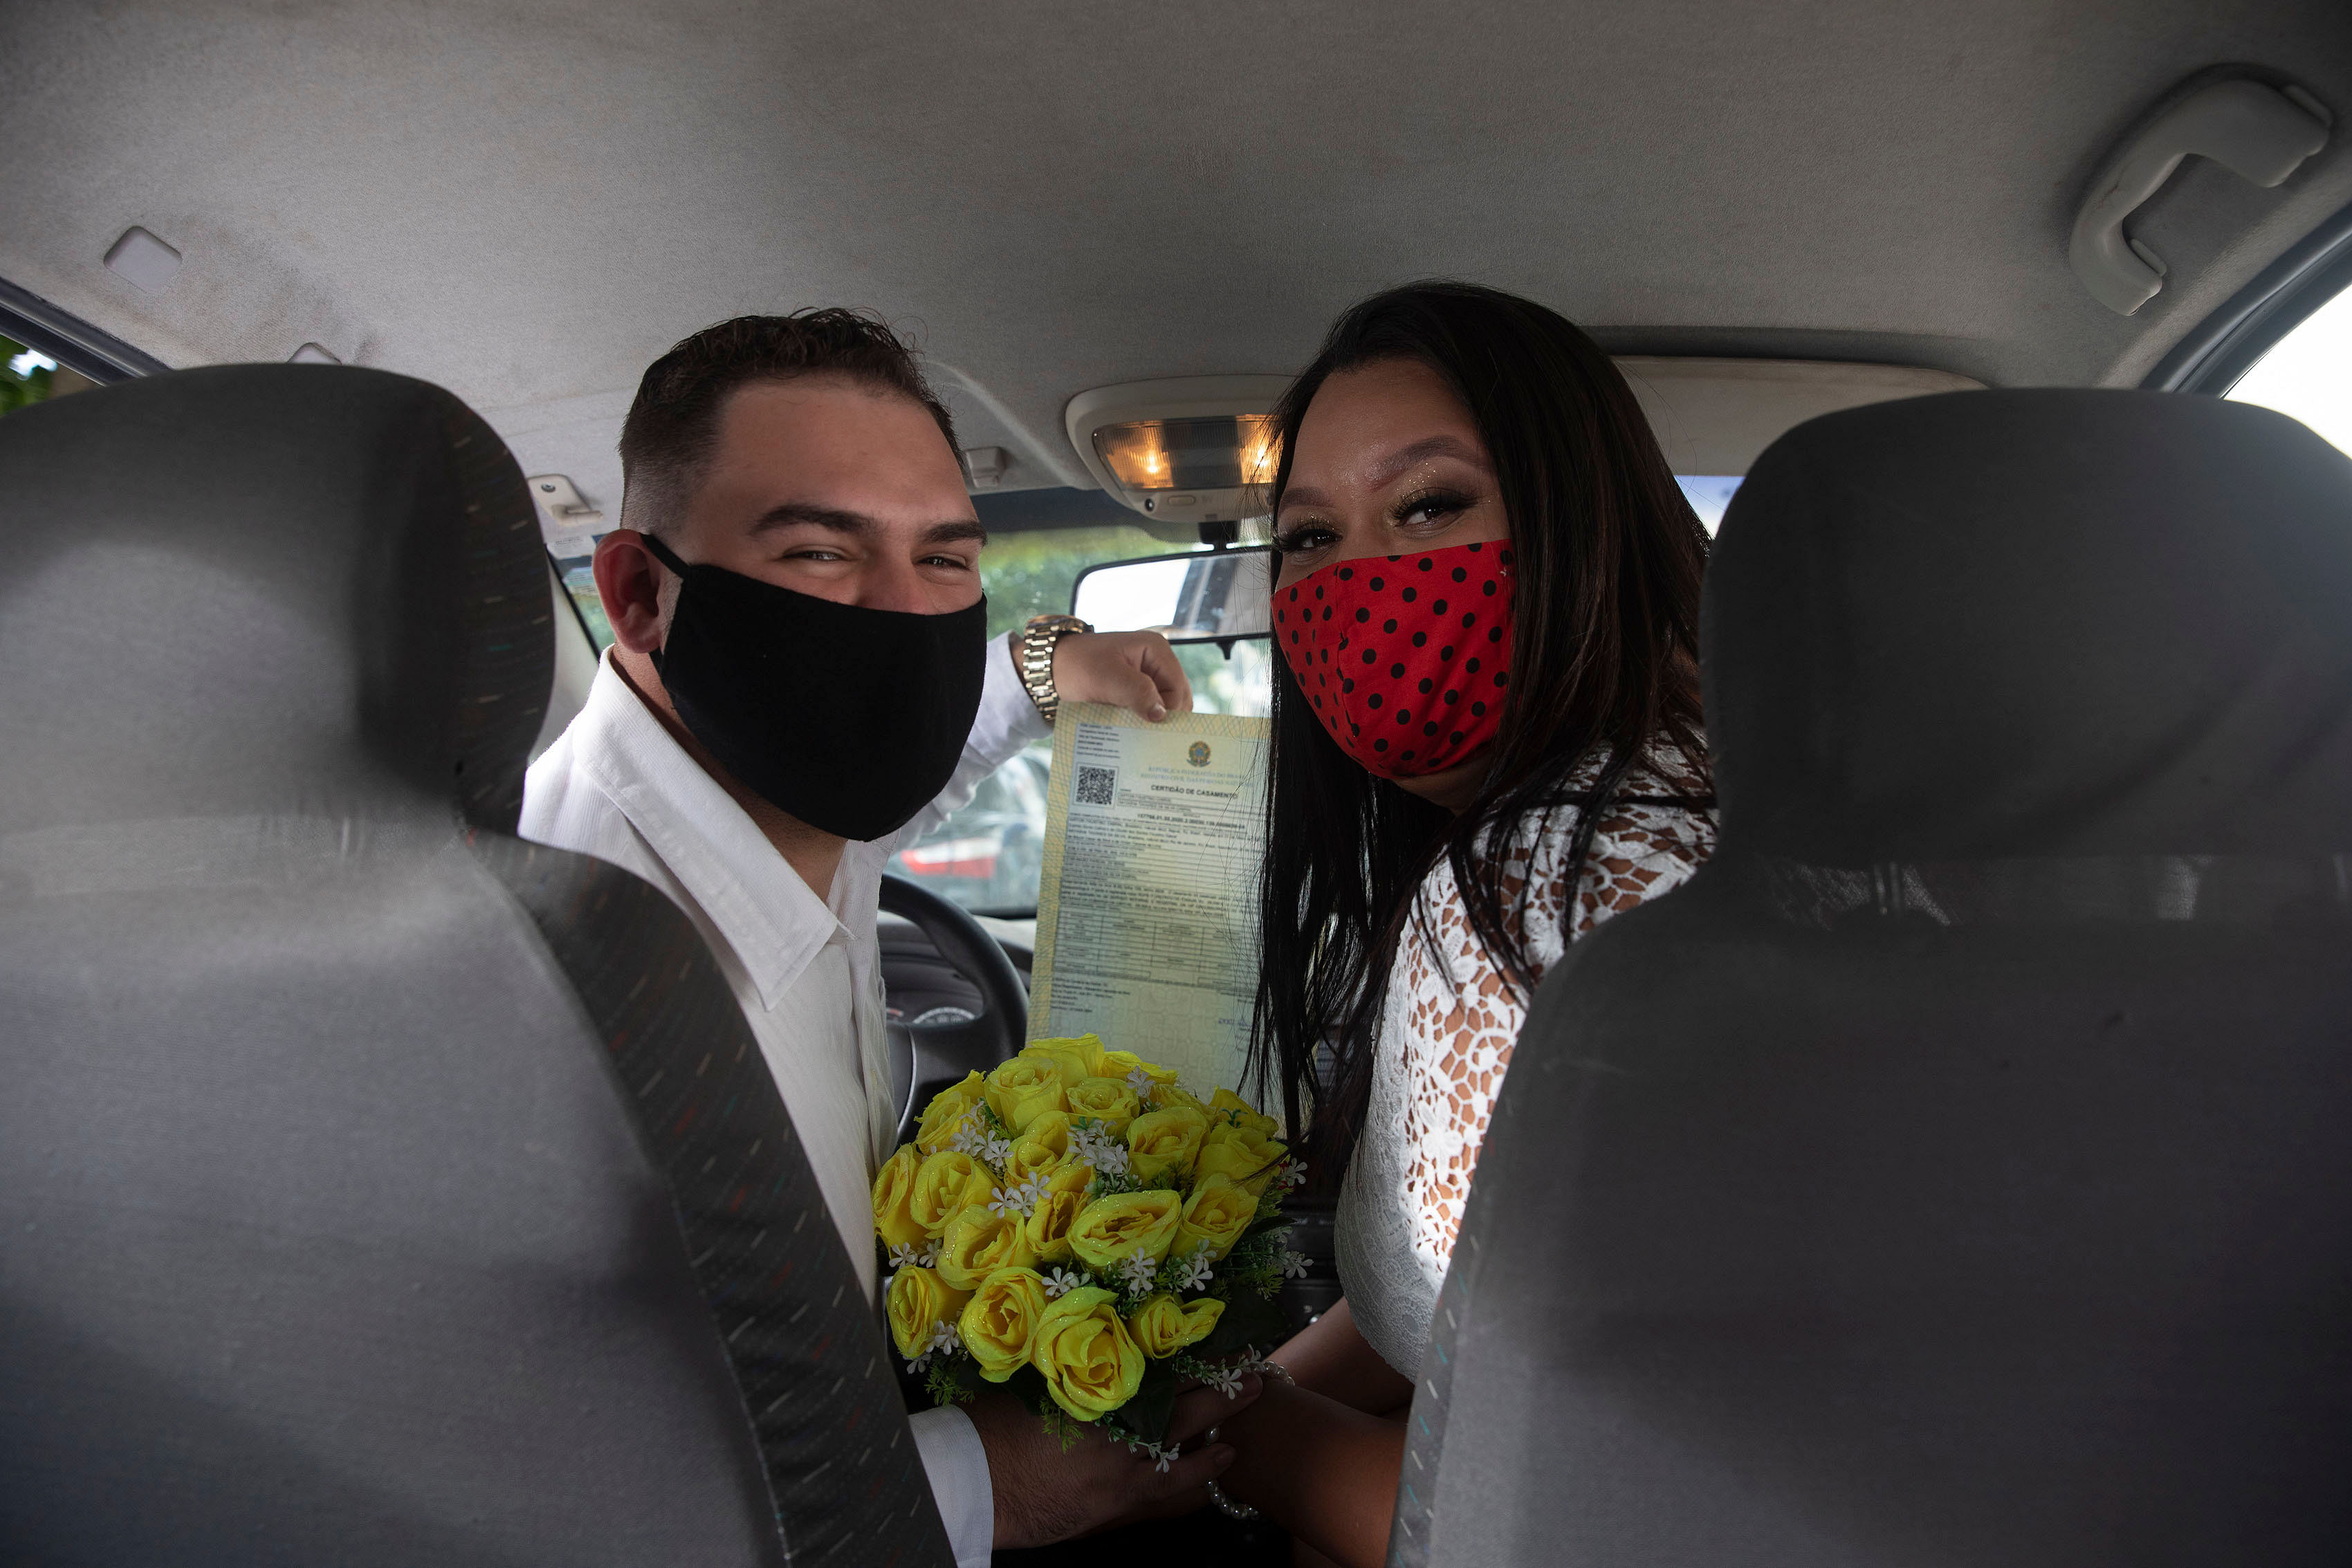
{"x":1134,"y":670}
{"x":1322,"y":1472}
{"x":1330,"y":1357}
{"x":1044,"y":1493}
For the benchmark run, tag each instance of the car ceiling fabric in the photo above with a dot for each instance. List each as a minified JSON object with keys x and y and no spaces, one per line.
{"x":528,"y":200}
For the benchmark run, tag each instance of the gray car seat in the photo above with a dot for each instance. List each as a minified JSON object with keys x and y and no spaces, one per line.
{"x":375,"y":1189}
{"x":1959,"y":1169}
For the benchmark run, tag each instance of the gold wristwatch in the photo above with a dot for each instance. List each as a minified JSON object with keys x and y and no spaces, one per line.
{"x":1036,"y":658}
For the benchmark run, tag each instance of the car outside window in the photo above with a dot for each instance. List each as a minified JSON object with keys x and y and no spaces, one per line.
{"x":2307,"y":374}
{"x":1708,"y":495}
{"x":986,"y":856}
{"x":28,"y":376}
{"x":580,"y":581}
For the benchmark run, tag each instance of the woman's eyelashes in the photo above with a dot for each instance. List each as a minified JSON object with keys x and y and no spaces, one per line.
{"x":1300,"y":539}
{"x":1423,"y":512}
{"x":1429,"y":507}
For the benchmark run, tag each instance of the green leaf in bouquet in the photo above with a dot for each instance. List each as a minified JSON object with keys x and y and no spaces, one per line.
{"x":1060,"y":1424}
{"x":954,"y":1380}
{"x":1105,"y":1186}
{"x":1248,"y":1319}
{"x":1147,"y":1414}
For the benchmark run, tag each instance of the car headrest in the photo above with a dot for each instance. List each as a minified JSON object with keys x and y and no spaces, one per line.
{"x":265,"y":588}
{"x":2032,"y":623}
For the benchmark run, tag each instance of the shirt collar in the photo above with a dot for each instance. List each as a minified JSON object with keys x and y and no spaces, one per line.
{"x":774,"y":921}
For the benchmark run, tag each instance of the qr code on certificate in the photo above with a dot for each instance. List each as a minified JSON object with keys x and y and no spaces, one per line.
{"x":1095,"y":785}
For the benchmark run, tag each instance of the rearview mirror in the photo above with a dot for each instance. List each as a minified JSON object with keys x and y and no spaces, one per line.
{"x":1204,"y":597}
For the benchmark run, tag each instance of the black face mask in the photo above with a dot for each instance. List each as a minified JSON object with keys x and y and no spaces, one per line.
{"x":850,"y":719}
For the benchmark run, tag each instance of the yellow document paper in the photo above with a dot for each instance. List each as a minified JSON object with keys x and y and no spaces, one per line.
{"x":1147,"y":910}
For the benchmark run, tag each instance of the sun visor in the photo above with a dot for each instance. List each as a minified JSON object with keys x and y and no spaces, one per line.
{"x":1716,"y":417}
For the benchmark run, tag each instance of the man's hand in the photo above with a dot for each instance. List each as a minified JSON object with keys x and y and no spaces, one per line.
{"x":1135,"y":670}
{"x":1044,"y":1494}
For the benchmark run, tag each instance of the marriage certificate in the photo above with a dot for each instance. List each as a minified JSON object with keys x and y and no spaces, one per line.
{"x":1147,"y":909}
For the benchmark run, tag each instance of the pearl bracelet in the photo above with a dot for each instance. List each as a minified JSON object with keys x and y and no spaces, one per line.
{"x":1228,"y":1506}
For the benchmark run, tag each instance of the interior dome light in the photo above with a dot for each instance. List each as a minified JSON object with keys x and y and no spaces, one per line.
{"x":1221,"y":452}
{"x":1186,"y":452}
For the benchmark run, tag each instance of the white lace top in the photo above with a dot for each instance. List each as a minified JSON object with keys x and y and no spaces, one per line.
{"x":1449,"y":1026}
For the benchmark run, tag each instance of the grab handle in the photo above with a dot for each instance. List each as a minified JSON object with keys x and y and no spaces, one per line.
{"x":2257,"y":133}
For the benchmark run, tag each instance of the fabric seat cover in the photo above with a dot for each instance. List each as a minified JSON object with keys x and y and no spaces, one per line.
{"x":376,"y":1188}
{"x":1957,"y":1170}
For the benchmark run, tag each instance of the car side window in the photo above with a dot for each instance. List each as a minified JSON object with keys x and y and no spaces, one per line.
{"x":580,"y":582}
{"x":2307,"y":374}
{"x":28,"y":376}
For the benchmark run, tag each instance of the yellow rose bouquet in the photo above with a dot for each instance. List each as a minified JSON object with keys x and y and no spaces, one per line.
{"x":1075,"y":1226}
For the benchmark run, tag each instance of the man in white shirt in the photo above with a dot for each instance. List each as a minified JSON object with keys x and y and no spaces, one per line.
{"x":795,"y":600}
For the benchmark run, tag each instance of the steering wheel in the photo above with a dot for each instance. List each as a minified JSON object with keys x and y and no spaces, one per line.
{"x":928,"y":1058}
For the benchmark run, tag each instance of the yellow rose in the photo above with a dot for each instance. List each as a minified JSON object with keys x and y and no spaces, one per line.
{"x":1047,"y":1228}
{"x":1071,"y":1175}
{"x":1171,"y":1097}
{"x":920,"y":1300}
{"x":1120,"y":1063}
{"x":1225,"y":1101}
{"x":1163,"y":1325}
{"x":1110,"y":1229}
{"x":946,"y":1113}
{"x":945,"y":1185}
{"x":1162,"y":1145}
{"x":894,"y":1191}
{"x":1041,"y":1150}
{"x":1023,"y":1089}
{"x":1217,"y":1212}
{"x":1086,"y":1048}
{"x":1107,"y":1099}
{"x":1000,"y":1320}
{"x":1241,"y":1152}
{"x":977,"y":1243}
{"x":1091,"y":1366}
{"x":1070,"y":1059}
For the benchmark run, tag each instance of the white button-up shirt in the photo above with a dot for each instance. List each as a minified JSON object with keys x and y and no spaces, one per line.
{"x":617,"y":785}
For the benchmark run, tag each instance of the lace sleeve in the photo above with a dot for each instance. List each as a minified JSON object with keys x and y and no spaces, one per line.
{"x":1461,"y":1015}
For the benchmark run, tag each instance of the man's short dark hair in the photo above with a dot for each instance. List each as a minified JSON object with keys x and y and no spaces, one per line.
{"x":674,"y":423}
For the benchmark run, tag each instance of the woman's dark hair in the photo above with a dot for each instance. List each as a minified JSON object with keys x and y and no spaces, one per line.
{"x":1603,"y":659}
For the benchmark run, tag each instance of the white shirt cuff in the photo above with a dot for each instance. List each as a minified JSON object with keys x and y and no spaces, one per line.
{"x":957,"y":1465}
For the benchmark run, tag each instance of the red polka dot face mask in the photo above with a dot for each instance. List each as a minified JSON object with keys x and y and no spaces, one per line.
{"x":1404,"y":658}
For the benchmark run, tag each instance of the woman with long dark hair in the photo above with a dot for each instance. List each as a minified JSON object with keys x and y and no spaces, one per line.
{"x":1486,"y":741}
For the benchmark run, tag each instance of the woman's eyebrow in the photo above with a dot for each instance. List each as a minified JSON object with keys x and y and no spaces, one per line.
{"x":1386,"y":470}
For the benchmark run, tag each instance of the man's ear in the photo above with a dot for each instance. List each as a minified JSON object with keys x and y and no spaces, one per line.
{"x":628,"y":580}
